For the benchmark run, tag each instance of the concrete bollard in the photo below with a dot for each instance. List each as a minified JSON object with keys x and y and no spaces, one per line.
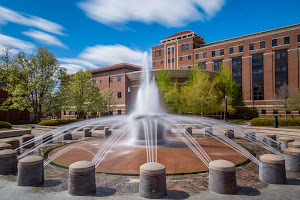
{"x":284,"y":142}
{"x":26,"y":138}
{"x":272,"y":169}
{"x":292,"y":159}
{"x":14,"y":142}
{"x":87,"y":132}
{"x":8,"y":161}
{"x":295,"y":144}
{"x":47,"y":138}
{"x":67,"y":136}
{"x":222,"y":177}
{"x":188,"y":129}
{"x":270,"y":139}
{"x":152,"y":180}
{"x":229,"y":133}
{"x":208,"y":131}
{"x":251,"y":136}
{"x":107,"y":131}
{"x":30,"y":171}
{"x":82,"y":181}
{"x":4,"y":146}
{"x":168,"y":131}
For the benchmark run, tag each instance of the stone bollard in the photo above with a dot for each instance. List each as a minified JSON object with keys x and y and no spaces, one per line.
{"x":4,"y":146}
{"x":229,"y":133}
{"x":284,"y":142}
{"x":251,"y":136}
{"x":8,"y":161}
{"x":272,"y":169}
{"x":82,"y":181}
{"x":67,"y":136}
{"x":269,"y":137}
{"x":292,"y":159}
{"x":87,"y":132}
{"x":222,"y":177}
{"x":30,"y":171}
{"x":26,"y":138}
{"x":14,"y":142}
{"x":295,"y":144}
{"x":107,"y":131}
{"x":208,"y":131}
{"x":152,"y":180}
{"x":47,"y":138}
{"x":188,"y":129}
{"x":168,"y":131}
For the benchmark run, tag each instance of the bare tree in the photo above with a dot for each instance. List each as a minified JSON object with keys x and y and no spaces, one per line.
{"x":282,"y":95}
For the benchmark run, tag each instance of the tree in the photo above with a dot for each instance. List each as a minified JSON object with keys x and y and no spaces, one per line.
{"x":293,"y":103}
{"x":83,"y":96}
{"x":31,"y":80}
{"x":282,"y":95}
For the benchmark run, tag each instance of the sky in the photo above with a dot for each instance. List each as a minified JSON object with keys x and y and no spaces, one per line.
{"x":87,"y":34}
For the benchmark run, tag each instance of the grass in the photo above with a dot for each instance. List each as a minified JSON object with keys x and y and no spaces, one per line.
{"x":238,"y":121}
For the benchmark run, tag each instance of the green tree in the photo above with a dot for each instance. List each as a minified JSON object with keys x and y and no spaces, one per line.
{"x":293,"y":102}
{"x":108,"y":103}
{"x":31,"y":80}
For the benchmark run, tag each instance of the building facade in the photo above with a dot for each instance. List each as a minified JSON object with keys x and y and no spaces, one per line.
{"x":260,"y":62}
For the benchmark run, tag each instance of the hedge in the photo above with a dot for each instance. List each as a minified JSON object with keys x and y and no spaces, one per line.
{"x":5,"y":125}
{"x":244,"y":113}
{"x":268,"y":121}
{"x":57,"y":122}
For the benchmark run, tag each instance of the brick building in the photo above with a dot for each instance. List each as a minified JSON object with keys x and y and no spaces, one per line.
{"x":260,"y":62}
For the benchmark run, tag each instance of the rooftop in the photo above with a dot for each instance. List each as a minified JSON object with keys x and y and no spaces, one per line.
{"x":117,"y":66}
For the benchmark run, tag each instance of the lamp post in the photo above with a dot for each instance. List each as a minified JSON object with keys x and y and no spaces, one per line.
{"x":226,"y":118}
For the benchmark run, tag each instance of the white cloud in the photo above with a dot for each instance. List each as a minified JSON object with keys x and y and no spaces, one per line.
{"x":78,"y":62}
{"x":8,"y":15}
{"x":17,"y":44}
{"x":112,"y":54}
{"x":170,"y":13}
{"x":73,"y":68}
{"x":44,"y":38}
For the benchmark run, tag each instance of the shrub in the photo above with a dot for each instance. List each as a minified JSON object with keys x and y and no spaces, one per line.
{"x":57,"y":122}
{"x":268,"y":121}
{"x":244,"y":113}
{"x":5,"y":125}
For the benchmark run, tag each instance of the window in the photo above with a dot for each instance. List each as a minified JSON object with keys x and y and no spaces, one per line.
{"x":258,"y":76}
{"x":159,"y":52}
{"x":173,"y":49}
{"x":274,"y":42}
{"x":168,"y":50}
{"x":189,"y":57}
{"x":65,"y":112}
{"x":275,"y":112}
{"x":298,"y":37}
{"x":169,"y":60}
{"x":262,"y":44}
{"x":201,"y":65}
{"x":156,"y":53}
{"x":182,"y":47}
{"x":286,"y":40}
{"x":241,"y":48}
{"x":119,"y":95}
{"x":204,"y":55}
{"x":222,"y":52}
{"x":161,"y":62}
{"x":119,"y":77}
{"x":110,"y":79}
{"x":237,"y":70}
{"x":94,"y":82}
{"x":101,"y":81}
{"x":251,"y":46}
{"x":217,"y":64}
{"x":288,"y":112}
{"x":263,"y":111}
{"x":231,"y":50}
{"x":281,"y":68}
{"x":180,"y":58}
{"x":172,"y":60}
{"x":119,"y":112}
{"x":213,"y":53}
{"x":187,"y":47}
{"x":189,"y":67}
{"x":70,"y":113}
{"x":154,"y":63}
{"x":197,"y":56}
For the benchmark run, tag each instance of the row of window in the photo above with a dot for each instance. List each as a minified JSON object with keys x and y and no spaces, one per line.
{"x":275,"y":112}
{"x":157,"y":53}
{"x":70,"y":113}
{"x":110,"y":79}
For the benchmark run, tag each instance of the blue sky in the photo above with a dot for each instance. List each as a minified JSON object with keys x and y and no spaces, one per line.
{"x":86,"y":34}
